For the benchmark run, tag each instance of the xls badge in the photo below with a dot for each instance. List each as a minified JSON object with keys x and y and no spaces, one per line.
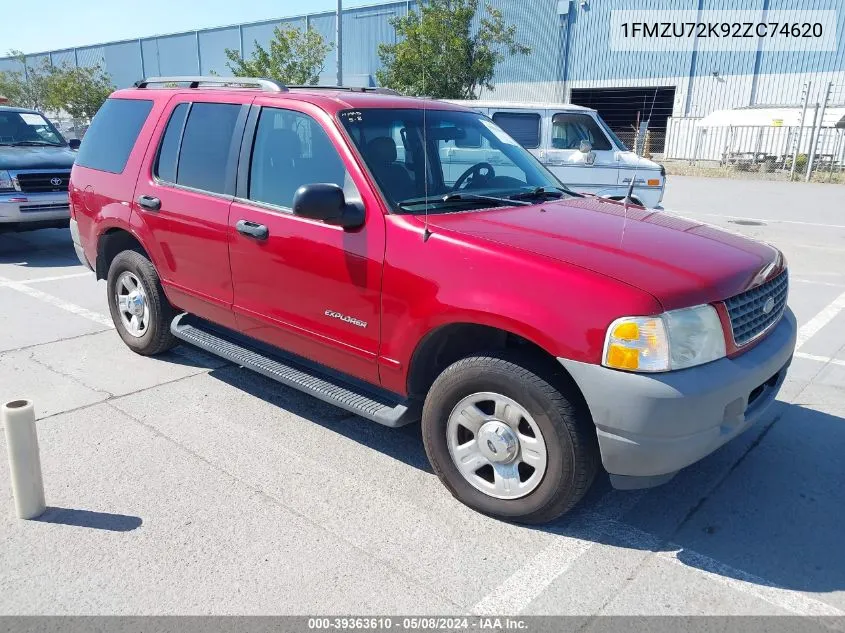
{"x":345,"y":319}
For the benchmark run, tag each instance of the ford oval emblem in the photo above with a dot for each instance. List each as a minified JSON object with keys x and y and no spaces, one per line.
{"x":55,"y":181}
{"x":769,"y":305}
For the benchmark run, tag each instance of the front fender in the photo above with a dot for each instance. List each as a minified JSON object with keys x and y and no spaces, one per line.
{"x":453,"y":279}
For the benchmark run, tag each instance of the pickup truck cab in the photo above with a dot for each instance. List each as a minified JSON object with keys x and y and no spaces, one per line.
{"x":575,"y":144}
{"x":35,"y":162}
{"x":538,"y":334}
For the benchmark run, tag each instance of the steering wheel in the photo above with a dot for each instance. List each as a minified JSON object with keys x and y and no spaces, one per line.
{"x":475,"y":172}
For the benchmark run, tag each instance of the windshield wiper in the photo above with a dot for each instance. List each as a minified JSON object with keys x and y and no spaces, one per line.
{"x":419,"y":205}
{"x":39,"y":143}
{"x":452,"y":197}
{"x":542,"y":193}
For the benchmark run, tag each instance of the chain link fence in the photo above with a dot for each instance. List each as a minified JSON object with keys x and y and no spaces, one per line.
{"x":651,"y":144}
{"x":812,"y":147}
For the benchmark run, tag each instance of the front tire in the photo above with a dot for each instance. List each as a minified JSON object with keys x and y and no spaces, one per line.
{"x":138,"y":306}
{"x":508,"y":443}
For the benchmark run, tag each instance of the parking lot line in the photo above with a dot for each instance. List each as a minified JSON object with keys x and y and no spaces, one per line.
{"x":766,"y":220}
{"x":38,"y":280}
{"x":817,"y":282}
{"x":57,"y":302}
{"x":530,"y":580}
{"x":821,"y":359}
{"x":811,"y":327}
{"x":819,"y":247}
{"x":786,"y":599}
{"x":789,"y":600}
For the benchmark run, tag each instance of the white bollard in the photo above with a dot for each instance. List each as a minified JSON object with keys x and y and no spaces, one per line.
{"x":24,"y":460}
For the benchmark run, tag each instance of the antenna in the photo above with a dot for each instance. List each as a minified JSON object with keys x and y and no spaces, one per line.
{"x":426,"y":231}
{"x":630,"y":192}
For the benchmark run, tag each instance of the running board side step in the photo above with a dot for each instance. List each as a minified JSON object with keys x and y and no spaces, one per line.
{"x":347,"y":393}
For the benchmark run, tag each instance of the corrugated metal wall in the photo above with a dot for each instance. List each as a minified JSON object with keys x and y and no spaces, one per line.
{"x":570,"y":49}
{"x":590,"y":56}
{"x":783,"y":73}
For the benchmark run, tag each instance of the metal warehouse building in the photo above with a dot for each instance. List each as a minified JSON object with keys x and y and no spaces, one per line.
{"x":571,"y":57}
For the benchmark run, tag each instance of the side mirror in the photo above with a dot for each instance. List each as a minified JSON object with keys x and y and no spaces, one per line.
{"x":326,"y":202}
{"x":585,"y":147}
{"x":74,"y":143}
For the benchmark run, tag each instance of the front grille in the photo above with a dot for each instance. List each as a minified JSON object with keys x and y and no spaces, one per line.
{"x":41,"y":182}
{"x":749,"y":318}
{"x":33,"y":208}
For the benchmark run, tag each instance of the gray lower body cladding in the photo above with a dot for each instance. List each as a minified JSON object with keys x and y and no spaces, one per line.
{"x":649,"y":426}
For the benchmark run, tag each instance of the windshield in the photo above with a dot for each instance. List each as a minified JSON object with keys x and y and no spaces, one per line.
{"x":455,"y":161}
{"x":619,"y":143}
{"x":27,"y":128}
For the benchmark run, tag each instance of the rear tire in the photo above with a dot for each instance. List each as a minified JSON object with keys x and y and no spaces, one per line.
{"x":517,"y":403}
{"x":139,"y":308}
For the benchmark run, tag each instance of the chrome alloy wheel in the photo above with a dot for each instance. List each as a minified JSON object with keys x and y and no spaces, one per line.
{"x":496,"y":445}
{"x":132,"y":304}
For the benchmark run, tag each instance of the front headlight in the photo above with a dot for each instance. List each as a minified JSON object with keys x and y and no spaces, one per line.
{"x":6,"y":181}
{"x":673,"y":340}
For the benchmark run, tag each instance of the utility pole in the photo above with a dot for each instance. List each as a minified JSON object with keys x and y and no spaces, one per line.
{"x":818,"y":133}
{"x":338,"y":41}
{"x":805,"y":97}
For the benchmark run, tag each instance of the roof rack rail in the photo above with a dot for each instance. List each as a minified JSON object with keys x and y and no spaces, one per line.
{"x":267,"y":85}
{"x":373,"y":89}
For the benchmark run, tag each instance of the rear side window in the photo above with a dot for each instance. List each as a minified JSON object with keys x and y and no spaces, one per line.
{"x":113,"y":133}
{"x":168,"y":153}
{"x":524,"y":128}
{"x":206,"y":145}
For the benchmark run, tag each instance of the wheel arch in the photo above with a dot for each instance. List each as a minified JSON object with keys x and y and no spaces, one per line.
{"x":618,"y":198}
{"x":448,"y":343}
{"x":111,"y":242}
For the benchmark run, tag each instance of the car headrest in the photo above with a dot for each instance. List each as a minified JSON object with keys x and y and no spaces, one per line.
{"x":382,"y":150}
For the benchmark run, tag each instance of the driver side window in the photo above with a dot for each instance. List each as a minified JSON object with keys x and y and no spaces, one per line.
{"x":569,"y":129}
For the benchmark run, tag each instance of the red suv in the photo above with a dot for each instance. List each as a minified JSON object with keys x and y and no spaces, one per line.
{"x":340,"y":241}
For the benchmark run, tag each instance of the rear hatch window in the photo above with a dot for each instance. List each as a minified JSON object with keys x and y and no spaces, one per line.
{"x":112,"y":135}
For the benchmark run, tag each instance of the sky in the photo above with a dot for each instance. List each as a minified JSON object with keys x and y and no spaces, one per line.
{"x":64,"y":24}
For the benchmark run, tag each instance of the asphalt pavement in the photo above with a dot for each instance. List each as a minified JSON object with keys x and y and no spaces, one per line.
{"x":185,"y":485}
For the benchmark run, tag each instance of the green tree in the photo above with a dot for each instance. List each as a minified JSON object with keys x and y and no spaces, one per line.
{"x":79,"y":91}
{"x":295,"y":57}
{"x":438,"y":55}
{"x":25,"y":88}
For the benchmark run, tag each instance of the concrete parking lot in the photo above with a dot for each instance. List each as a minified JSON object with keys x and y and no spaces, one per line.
{"x":184,"y":484}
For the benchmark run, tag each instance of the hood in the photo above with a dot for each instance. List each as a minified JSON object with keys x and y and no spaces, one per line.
{"x":632,"y":161}
{"x":36,"y":157}
{"x":678,"y":261}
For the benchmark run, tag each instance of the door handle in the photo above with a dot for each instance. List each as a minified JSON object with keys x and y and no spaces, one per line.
{"x":149,"y":202}
{"x":252,"y":229}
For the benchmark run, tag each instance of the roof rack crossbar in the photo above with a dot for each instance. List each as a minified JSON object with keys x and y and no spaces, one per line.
{"x":267,"y":85}
{"x":373,"y":89}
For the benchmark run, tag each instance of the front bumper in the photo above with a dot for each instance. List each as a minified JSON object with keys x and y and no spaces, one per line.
{"x":650,"y":426}
{"x":23,"y":211}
